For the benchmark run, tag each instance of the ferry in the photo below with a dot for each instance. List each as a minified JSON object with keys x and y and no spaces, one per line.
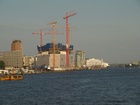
{"x":9,"y":77}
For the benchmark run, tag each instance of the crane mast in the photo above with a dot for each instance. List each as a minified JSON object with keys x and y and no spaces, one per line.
{"x":53,"y":40}
{"x":41,"y":33}
{"x":68,"y":36}
{"x":54,"y":33}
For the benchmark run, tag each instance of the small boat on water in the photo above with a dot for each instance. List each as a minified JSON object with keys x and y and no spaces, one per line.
{"x":11,"y":77}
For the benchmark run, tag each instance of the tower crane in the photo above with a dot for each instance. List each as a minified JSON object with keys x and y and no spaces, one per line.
{"x":53,"y":39}
{"x":40,"y":33}
{"x":67,"y":36}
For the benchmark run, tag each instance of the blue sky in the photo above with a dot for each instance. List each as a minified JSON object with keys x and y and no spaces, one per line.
{"x":108,"y":29}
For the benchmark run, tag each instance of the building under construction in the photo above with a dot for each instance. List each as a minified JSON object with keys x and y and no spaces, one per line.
{"x":49,"y":59}
{"x":56,"y":56}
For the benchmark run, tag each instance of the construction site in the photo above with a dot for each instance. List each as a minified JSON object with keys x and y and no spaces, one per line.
{"x":52,"y":55}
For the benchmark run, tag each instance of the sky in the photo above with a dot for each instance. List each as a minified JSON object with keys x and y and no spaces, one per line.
{"x":108,"y":29}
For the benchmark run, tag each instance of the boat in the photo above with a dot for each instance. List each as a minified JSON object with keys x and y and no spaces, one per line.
{"x":9,"y":77}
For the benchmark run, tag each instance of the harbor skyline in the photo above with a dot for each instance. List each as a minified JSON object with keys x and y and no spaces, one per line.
{"x":104,"y":29}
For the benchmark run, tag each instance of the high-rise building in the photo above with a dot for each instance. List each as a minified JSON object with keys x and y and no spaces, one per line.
{"x":79,"y":59}
{"x":16,"y":45}
{"x":13,"y":58}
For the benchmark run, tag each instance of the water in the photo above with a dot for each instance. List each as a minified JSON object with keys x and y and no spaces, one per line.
{"x":87,"y":87}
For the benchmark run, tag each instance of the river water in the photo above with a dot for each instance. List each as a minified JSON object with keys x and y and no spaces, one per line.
{"x":114,"y":86}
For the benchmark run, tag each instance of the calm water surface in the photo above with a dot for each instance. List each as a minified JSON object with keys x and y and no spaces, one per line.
{"x":87,"y":87}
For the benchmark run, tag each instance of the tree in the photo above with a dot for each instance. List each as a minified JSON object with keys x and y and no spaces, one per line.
{"x":2,"y":65}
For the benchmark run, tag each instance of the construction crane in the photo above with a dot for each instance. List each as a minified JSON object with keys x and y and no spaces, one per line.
{"x":67,"y":36}
{"x":53,"y":39}
{"x":40,"y":33}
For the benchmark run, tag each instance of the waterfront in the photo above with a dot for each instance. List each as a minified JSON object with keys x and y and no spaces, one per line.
{"x":119,"y":86}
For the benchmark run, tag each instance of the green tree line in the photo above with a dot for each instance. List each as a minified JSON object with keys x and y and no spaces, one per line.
{"x":2,"y":65}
